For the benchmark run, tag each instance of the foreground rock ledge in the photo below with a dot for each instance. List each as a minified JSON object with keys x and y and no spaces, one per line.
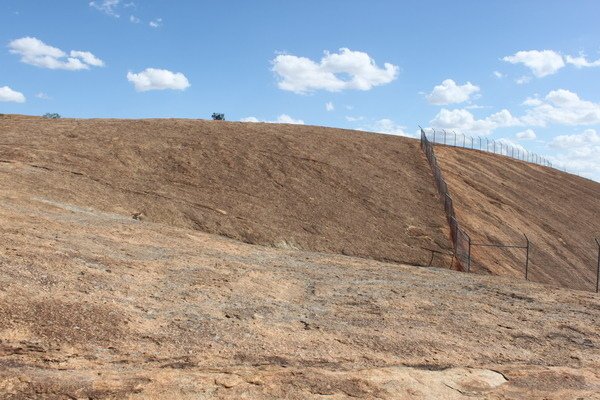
{"x":99,"y":305}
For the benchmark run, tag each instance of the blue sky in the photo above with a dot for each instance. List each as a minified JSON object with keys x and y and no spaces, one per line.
{"x":524,"y":71}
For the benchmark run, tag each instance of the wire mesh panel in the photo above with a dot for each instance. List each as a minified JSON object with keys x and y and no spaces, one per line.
{"x":575,"y":265}
{"x":460,"y":239}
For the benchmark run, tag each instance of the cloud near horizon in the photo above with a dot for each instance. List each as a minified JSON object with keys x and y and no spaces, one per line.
{"x":282,"y":119}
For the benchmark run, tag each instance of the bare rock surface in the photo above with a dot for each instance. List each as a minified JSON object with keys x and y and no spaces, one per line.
{"x":115,"y":285}
{"x":498,"y":199}
{"x":291,"y":186}
{"x":98,"y":305}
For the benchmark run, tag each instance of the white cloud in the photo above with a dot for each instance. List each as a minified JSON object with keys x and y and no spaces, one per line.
{"x":35,"y":52}
{"x":158,"y":79}
{"x":9,"y":95}
{"x":329,"y":106}
{"x":449,"y":92}
{"x":541,"y":63}
{"x":498,"y":74}
{"x":463,"y":120}
{"x":532,"y":101}
{"x":581,"y":61}
{"x":87,"y":58}
{"x":523,"y":80}
{"x":588,"y":137}
{"x":527,"y":134}
{"x":302,"y":75}
{"x":42,"y":95}
{"x":250,"y":119}
{"x":134,"y":19}
{"x":386,"y":126}
{"x":156,"y":23}
{"x":106,"y":6}
{"x":579,"y":153}
{"x":282,"y":119}
{"x":562,"y":107}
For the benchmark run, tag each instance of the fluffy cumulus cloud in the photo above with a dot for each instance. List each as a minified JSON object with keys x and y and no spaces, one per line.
{"x":562,"y":107}
{"x":579,"y":153}
{"x":450,"y":93}
{"x":527,"y":134}
{"x":587,"y":138}
{"x":35,"y":52}
{"x":464,"y":121}
{"x":158,"y":79}
{"x":541,"y":63}
{"x":282,"y":119}
{"x":109,"y":7}
{"x":558,"y":107}
{"x":582,"y":62}
{"x":334,"y":72}
{"x":9,"y":95}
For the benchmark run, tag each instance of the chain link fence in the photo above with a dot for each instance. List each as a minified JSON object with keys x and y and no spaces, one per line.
{"x":469,"y":255}
{"x":499,"y":146}
{"x":460,"y":239}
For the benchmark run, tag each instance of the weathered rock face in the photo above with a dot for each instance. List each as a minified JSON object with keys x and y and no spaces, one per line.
{"x":101,"y":305}
{"x":303,"y":187}
{"x":109,"y":288}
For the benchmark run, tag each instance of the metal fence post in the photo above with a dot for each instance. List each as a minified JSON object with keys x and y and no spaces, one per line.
{"x":469,"y":256}
{"x":527,"y":259}
{"x":455,"y":135}
{"x":598,"y":270}
{"x":444,"y":136}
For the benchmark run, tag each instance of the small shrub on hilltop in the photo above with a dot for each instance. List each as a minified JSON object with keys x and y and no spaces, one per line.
{"x":218,"y":117}
{"x":51,"y":115}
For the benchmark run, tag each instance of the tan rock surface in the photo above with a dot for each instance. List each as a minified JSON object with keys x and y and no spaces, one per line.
{"x":100,"y":305}
{"x":109,"y":289}
{"x":498,"y":199}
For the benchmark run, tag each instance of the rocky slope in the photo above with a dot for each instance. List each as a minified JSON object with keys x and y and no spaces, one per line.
{"x":498,"y":199}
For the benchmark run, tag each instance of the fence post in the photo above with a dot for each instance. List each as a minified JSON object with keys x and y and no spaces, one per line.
{"x":434,"y":136}
{"x":598,"y":270}
{"x":527,"y":259}
{"x":469,"y":256}
{"x":455,"y":135}
{"x":444,"y":136}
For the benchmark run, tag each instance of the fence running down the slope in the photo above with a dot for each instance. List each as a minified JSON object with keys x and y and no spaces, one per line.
{"x":485,"y":144}
{"x":460,"y":239}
